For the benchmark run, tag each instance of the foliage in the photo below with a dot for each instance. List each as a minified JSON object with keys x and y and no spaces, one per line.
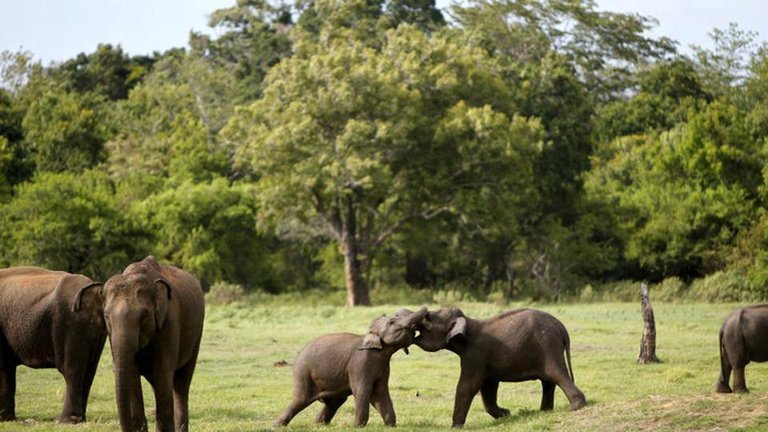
{"x":209,"y":229}
{"x":63,"y":130}
{"x":70,"y":222}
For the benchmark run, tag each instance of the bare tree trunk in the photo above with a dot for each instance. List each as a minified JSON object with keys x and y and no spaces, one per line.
{"x":357,"y":291}
{"x":648,"y":341}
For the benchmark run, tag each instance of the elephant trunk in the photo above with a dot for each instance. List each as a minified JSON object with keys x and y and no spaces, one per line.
{"x":130,"y":402}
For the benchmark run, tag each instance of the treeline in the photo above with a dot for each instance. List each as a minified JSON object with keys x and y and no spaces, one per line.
{"x":504,"y":147}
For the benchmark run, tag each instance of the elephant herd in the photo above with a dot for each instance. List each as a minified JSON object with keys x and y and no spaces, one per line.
{"x":519,"y":345}
{"x":153,"y":316}
{"x":152,"y":313}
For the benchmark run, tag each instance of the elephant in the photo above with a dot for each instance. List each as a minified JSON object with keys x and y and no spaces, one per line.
{"x":154,"y":315}
{"x":50,"y":319}
{"x":743,"y":338}
{"x":519,"y":345}
{"x":334,"y":366}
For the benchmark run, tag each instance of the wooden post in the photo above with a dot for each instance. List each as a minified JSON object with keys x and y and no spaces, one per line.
{"x":648,"y":342}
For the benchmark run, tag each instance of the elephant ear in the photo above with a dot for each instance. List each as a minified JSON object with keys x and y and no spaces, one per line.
{"x":93,"y":288}
{"x":458,"y":328}
{"x":371,"y":341}
{"x":163,"y":297}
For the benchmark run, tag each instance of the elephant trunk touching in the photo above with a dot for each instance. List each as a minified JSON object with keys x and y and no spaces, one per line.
{"x":130,"y":402}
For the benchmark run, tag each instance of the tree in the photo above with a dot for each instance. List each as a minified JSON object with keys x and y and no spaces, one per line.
{"x":69,"y":222}
{"x":64,"y":131}
{"x":354,"y":142}
{"x":108,"y":72}
{"x":209,"y":229}
{"x":684,"y":195}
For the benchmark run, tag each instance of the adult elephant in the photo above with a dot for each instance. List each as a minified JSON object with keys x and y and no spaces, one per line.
{"x":154,"y":315}
{"x":50,"y":319}
{"x":519,"y":345}
{"x":743,"y":339}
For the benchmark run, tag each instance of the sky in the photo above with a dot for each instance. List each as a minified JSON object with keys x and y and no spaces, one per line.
{"x":57,"y":30}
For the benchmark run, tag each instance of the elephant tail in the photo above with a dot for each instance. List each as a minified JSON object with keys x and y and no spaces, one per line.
{"x":567,"y":343}
{"x":722,"y":353}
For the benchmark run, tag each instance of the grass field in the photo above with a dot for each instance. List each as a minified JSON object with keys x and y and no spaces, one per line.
{"x":242,"y":384}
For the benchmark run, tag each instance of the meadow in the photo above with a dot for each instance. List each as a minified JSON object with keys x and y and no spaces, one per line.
{"x":243,"y":379}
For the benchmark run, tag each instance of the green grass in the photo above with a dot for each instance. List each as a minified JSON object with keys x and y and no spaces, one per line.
{"x":240,"y":385}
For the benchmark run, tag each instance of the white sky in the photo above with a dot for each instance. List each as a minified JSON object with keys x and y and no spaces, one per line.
{"x":57,"y":30}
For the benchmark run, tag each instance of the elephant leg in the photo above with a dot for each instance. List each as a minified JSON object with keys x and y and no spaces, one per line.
{"x":490,"y":391}
{"x":383,"y":404}
{"x":304,"y":393}
{"x":469,"y":384}
{"x":362,"y":393}
{"x":7,"y":392}
{"x":162,"y":384}
{"x":74,"y":407}
{"x":739,"y":382}
{"x":725,"y":376}
{"x":182,"y":379}
{"x":557,"y":373}
{"x":547,"y":395}
{"x":330,"y":406}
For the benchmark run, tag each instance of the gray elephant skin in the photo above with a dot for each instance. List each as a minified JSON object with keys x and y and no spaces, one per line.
{"x":334,"y":366}
{"x":519,"y":345}
{"x":154,"y":315}
{"x":743,"y":339}
{"x":49,"y":319}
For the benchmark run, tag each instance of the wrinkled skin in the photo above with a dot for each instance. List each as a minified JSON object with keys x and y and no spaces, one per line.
{"x":743,"y":338}
{"x":334,"y":366}
{"x":519,"y":345}
{"x":154,"y":315}
{"x":50,"y":319}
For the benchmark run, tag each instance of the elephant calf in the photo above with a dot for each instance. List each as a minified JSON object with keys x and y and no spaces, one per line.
{"x":743,"y":338}
{"x":50,"y":319}
{"x":334,"y":366}
{"x":519,"y":345}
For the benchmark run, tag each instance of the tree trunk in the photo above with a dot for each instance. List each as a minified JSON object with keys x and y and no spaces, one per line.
{"x":357,"y":290}
{"x":648,"y":341}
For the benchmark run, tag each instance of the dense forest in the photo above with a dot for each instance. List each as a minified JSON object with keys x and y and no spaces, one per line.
{"x":516,"y":148}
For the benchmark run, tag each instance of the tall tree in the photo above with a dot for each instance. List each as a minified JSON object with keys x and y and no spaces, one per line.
{"x":354,"y":142}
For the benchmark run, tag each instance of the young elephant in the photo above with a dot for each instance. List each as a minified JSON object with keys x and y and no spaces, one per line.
{"x":519,"y":345}
{"x":334,"y":366}
{"x":47,"y":322}
{"x":743,"y":338}
{"x":154,"y":315}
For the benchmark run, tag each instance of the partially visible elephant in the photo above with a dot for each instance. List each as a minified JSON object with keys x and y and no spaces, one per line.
{"x":519,"y":345}
{"x":334,"y":366}
{"x":50,"y":319}
{"x":154,"y":315}
{"x":743,"y":338}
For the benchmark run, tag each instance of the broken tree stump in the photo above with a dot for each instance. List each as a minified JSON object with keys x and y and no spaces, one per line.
{"x":648,"y":341}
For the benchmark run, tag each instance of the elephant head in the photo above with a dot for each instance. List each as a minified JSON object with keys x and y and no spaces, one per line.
{"x":396,"y":332}
{"x":438,"y":328}
{"x":135,"y":309}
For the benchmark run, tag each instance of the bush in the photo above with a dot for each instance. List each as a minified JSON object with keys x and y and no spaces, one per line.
{"x":732,"y":286}
{"x":224,"y":293}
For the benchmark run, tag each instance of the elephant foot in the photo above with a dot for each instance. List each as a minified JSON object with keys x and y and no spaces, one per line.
{"x":498,"y":412}
{"x":741,"y":390}
{"x":578,"y":404}
{"x":723,"y":388}
{"x":5,"y":417}
{"x":70,"y":419}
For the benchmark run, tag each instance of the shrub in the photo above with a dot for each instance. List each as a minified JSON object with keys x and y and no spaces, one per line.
{"x":731,"y":286}
{"x":223,"y":293}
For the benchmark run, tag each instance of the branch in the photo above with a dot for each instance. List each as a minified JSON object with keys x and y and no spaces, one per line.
{"x":392,"y":229}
